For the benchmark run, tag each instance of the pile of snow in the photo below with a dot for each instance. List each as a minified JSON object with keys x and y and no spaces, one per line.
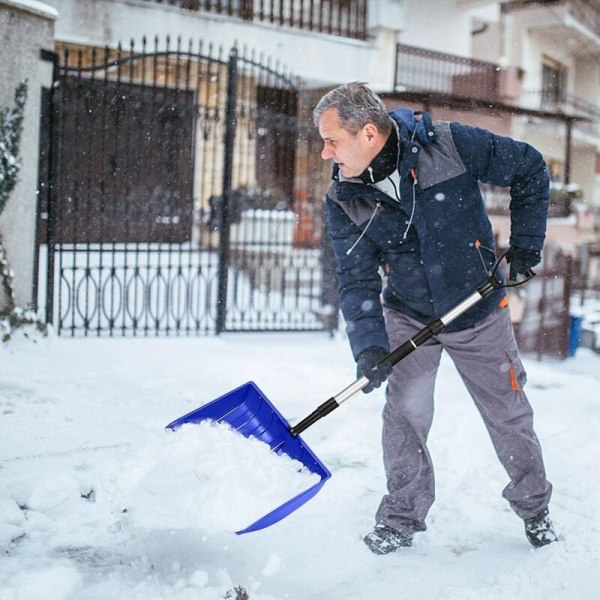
{"x":207,"y":477}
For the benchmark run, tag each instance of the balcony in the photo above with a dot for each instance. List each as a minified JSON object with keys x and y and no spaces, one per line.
{"x":585,"y":114}
{"x":425,"y":71}
{"x":456,"y":80}
{"x":586,"y":13}
{"x":562,"y":19}
{"x":345,"y":18}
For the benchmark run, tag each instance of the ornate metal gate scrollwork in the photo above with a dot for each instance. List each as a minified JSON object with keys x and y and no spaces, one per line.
{"x":175,"y":200}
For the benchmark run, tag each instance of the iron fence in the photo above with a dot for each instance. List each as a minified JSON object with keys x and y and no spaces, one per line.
{"x":346,"y":18}
{"x":175,"y":196}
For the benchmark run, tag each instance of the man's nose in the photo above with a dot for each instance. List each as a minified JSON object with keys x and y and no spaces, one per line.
{"x":327,"y":153}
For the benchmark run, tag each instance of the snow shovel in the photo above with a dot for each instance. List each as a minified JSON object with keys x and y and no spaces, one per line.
{"x":249,"y":411}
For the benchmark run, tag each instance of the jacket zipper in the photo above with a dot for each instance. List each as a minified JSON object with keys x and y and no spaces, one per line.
{"x":397,"y":198}
{"x":360,"y":237}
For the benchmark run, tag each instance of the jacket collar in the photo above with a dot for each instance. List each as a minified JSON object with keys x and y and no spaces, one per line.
{"x":386,"y":161}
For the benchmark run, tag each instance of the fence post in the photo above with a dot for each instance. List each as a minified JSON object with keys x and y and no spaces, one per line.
{"x":51,"y":190}
{"x":224,"y":247}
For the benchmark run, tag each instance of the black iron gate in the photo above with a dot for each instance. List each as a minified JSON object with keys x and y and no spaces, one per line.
{"x":177,"y":196}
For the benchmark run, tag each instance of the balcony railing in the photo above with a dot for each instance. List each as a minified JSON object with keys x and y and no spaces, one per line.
{"x":421,"y":70}
{"x":586,"y":13}
{"x":567,"y":104}
{"x":425,"y":71}
{"x":345,"y":18}
{"x":588,"y":114}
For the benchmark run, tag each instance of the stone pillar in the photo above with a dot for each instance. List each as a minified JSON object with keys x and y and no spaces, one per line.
{"x":26,"y":28}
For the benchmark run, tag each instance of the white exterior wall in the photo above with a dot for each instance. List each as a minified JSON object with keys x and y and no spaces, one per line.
{"x":26,"y":27}
{"x":440,"y":25}
{"x":317,"y":58}
{"x":587,"y":79}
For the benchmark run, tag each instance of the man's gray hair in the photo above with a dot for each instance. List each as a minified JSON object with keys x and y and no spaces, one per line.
{"x":356,"y":105}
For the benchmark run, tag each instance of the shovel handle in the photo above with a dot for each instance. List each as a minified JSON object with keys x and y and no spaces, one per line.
{"x":393,"y":357}
{"x":430,"y":330}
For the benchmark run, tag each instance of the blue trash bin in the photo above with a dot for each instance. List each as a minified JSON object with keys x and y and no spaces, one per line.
{"x":575,"y":334}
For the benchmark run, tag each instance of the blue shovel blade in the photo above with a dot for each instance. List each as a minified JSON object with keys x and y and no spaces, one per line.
{"x":249,"y":411}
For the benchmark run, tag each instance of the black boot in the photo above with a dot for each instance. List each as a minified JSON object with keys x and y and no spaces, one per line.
{"x":540,"y":530}
{"x":384,"y":539}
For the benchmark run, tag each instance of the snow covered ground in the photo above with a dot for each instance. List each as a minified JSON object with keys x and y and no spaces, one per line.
{"x":83,"y":422}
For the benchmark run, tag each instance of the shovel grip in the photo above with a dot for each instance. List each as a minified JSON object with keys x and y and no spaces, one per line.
{"x":314,"y":416}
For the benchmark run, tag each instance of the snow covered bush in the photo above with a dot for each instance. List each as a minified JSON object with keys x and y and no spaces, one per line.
{"x":11,"y":127}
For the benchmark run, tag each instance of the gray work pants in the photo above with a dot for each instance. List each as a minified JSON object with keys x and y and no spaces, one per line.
{"x":487,"y":359}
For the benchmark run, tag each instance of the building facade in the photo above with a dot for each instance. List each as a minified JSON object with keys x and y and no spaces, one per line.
{"x":523,"y":68}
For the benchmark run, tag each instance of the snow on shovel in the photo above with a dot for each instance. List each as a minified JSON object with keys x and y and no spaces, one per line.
{"x":247,"y":410}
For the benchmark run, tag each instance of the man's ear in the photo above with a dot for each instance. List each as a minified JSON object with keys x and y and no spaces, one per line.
{"x":371,"y":132}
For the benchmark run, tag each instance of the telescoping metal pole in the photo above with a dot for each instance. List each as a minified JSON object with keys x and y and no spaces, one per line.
{"x":431,"y":329}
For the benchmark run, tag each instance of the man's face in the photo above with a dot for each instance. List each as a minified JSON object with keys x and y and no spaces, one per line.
{"x":352,"y":152}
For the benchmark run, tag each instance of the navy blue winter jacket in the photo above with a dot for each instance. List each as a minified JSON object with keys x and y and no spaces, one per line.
{"x":430,"y":260}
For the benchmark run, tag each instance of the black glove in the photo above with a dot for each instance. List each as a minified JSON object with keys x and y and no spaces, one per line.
{"x":521,"y":260}
{"x":365,"y":362}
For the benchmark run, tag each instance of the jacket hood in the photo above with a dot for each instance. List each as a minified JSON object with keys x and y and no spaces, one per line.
{"x":416,"y":124}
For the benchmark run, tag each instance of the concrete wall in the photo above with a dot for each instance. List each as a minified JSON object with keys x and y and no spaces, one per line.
{"x":26,"y":27}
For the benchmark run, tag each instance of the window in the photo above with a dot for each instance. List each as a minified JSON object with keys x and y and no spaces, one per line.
{"x":554,"y":82}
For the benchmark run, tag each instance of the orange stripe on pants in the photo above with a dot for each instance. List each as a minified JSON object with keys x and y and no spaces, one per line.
{"x":514,"y":384}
